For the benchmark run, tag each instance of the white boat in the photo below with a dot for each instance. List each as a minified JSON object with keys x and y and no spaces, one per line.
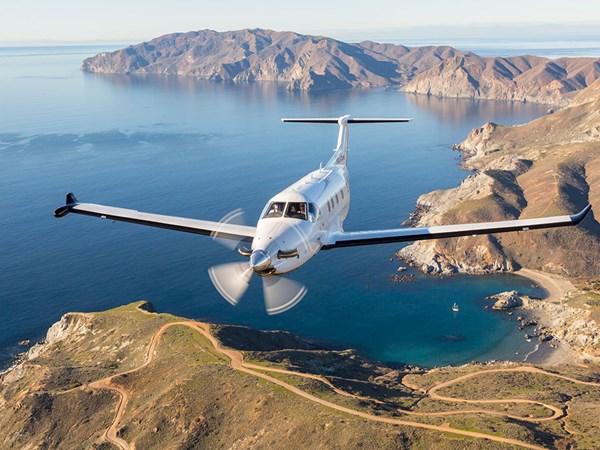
{"x":455,"y":307}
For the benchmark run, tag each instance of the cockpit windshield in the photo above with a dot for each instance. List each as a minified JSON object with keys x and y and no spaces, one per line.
{"x":296,"y":210}
{"x":275,"y":209}
{"x":292,"y":210}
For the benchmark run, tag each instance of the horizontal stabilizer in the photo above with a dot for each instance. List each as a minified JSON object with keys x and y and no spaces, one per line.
{"x":349,"y":120}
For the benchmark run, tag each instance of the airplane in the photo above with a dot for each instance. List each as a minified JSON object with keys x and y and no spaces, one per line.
{"x":297,"y":223}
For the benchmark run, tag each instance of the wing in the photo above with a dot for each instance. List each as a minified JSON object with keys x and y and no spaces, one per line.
{"x":214,"y":229}
{"x":343,"y":239}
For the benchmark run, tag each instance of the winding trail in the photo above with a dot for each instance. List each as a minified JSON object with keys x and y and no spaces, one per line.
{"x":236,"y":361}
{"x":557,"y":412}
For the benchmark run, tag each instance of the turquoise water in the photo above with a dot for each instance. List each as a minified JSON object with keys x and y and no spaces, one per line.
{"x":200,"y":149}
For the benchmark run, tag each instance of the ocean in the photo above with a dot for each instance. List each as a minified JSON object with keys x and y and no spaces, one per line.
{"x":201,"y":149}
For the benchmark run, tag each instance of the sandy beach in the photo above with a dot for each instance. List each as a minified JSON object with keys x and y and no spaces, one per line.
{"x":556,"y":288}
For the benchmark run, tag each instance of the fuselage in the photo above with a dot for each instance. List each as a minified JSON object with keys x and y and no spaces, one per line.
{"x":295,"y":223}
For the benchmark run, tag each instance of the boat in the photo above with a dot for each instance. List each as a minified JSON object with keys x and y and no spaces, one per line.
{"x":455,"y":307}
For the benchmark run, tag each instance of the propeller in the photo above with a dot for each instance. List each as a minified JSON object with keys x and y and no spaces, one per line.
{"x":282,"y":294}
{"x":231,"y":280}
{"x":234,"y":217}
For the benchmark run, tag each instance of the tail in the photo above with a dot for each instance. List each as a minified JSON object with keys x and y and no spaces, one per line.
{"x":340,"y":155}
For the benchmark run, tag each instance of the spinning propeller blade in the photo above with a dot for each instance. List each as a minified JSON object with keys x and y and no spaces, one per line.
{"x":231,"y":280}
{"x":235,"y":217}
{"x":281,"y":294}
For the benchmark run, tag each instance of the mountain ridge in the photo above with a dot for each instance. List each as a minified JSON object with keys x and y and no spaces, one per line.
{"x":319,"y":63}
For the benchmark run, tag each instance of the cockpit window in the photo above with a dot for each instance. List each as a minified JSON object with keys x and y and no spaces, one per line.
{"x":313,"y":210}
{"x":296,"y":210}
{"x":275,"y":209}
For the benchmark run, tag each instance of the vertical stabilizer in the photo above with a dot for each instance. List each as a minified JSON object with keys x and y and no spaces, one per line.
{"x":341,"y":151}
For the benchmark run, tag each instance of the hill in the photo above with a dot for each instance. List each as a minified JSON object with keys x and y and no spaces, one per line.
{"x":317,"y":63}
{"x":520,"y":78}
{"x":548,"y":166}
{"x":133,"y":378}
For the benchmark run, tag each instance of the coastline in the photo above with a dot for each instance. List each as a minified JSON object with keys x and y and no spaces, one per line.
{"x":544,"y":354}
{"x":556,"y":288}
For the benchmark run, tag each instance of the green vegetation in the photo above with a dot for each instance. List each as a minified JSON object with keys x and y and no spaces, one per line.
{"x":188,"y":395}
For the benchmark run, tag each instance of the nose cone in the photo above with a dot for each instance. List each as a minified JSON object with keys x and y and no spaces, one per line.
{"x":260,"y":261}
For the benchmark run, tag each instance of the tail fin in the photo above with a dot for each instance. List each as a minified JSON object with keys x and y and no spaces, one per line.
{"x":341,"y":151}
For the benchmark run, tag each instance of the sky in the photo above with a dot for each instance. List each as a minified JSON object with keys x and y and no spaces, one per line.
{"x":139,"y":20}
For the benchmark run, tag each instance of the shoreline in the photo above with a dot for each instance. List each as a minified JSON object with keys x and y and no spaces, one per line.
{"x":556,"y":288}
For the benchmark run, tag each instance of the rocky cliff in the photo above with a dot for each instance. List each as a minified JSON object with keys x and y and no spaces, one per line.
{"x":550,"y":166}
{"x":312,"y":63}
{"x":521,"y":78}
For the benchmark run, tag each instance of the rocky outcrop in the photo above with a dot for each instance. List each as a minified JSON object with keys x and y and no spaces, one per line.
{"x":520,"y":78}
{"x":477,"y":258}
{"x":568,"y":324}
{"x":71,"y":325}
{"x":506,"y":300}
{"x":550,"y":166}
{"x":318,"y":63}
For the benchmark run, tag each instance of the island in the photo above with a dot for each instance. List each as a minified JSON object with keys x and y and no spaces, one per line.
{"x":319,"y":63}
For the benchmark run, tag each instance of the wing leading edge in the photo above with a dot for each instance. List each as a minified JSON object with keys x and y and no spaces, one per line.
{"x":205,"y":227}
{"x":352,"y":239}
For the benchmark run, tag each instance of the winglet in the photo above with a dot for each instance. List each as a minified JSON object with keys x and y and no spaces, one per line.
{"x":576,"y":218}
{"x":66,"y":209}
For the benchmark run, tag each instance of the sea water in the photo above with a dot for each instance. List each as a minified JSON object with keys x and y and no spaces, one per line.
{"x":201,"y":149}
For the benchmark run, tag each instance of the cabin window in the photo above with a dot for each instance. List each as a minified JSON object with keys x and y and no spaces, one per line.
{"x":275,"y":209}
{"x":328,"y":206}
{"x":337,"y":200}
{"x":342,"y":192}
{"x":296,"y":210}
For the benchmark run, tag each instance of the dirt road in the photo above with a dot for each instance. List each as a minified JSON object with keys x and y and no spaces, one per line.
{"x":236,"y":361}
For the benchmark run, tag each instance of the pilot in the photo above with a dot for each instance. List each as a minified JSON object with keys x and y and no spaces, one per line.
{"x":302,"y":210}
{"x":275,"y":210}
{"x":295,"y":211}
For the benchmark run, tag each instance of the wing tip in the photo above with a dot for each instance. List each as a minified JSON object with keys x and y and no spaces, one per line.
{"x":66,"y":209}
{"x":576,"y":218}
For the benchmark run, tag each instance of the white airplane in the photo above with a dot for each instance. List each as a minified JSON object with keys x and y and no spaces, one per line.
{"x":296,"y":223}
